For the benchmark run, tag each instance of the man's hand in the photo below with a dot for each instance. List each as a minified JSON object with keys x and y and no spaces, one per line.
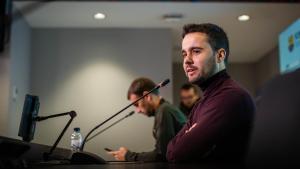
{"x":194,"y":125}
{"x":119,"y":154}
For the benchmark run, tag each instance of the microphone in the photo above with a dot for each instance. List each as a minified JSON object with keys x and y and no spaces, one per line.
{"x":82,"y":157}
{"x":129,"y":114}
{"x":165,"y":82}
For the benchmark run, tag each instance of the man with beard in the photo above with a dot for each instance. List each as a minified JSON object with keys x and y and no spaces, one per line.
{"x":189,"y":95}
{"x":219,"y":126}
{"x":168,"y":120}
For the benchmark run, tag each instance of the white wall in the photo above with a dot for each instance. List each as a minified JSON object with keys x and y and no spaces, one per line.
{"x":19,"y":73}
{"x":89,"y":71}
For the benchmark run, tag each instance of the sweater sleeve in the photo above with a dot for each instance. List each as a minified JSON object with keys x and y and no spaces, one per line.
{"x":143,"y":156}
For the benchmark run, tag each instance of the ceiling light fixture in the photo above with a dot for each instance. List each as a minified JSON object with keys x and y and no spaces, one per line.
{"x":172,"y":17}
{"x":244,"y":18}
{"x":99,"y":16}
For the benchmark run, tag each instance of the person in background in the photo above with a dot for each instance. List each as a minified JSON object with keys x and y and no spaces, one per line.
{"x":189,"y":95}
{"x":219,"y":126}
{"x":168,"y":120}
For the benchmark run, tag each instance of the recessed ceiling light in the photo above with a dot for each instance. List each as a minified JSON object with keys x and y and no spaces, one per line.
{"x":99,"y":16}
{"x":172,"y":17}
{"x":244,"y":17}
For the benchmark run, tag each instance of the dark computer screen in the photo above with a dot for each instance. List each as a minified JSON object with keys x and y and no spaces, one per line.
{"x":30,"y":112}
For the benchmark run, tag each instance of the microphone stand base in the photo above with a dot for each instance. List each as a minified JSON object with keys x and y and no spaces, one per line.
{"x":83,"y":157}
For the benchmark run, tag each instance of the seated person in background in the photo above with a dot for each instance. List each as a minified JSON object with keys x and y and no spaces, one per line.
{"x":168,"y":120}
{"x":219,"y":126}
{"x":189,"y":95}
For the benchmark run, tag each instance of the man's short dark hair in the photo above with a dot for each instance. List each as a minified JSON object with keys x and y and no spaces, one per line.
{"x":139,"y":85}
{"x":188,"y":86}
{"x":217,"y":38}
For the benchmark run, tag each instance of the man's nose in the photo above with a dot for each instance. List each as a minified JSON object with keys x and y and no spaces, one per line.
{"x":188,"y":59}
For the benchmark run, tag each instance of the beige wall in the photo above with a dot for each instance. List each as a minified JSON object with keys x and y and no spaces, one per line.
{"x":267,"y":67}
{"x":179,"y":79}
{"x":244,"y":74}
{"x":4,"y":90}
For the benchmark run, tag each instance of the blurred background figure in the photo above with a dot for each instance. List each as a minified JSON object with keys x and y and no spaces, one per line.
{"x":168,"y":121}
{"x":189,"y":95}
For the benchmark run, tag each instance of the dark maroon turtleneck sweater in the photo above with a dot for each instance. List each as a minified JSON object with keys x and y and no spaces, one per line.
{"x":223,"y":119}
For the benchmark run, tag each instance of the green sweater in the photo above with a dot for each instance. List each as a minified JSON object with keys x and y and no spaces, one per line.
{"x":167,"y":123}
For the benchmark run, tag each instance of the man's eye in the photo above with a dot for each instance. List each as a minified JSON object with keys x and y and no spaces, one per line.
{"x":197,"y":51}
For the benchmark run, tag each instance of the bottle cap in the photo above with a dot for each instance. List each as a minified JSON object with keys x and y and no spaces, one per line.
{"x":77,"y":129}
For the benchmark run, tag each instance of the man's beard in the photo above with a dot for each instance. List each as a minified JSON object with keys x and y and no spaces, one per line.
{"x":150,"y":111}
{"x":208,"y":74}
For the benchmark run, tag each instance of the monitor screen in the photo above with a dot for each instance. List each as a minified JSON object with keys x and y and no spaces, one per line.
{"x":30,"y":112}
{"x":289,"y":48}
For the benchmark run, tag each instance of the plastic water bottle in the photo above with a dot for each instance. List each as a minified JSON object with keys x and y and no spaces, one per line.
{"x":76,"y":140}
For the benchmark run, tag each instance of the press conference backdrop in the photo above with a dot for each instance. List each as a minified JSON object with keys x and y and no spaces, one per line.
{"x":289,"y":47}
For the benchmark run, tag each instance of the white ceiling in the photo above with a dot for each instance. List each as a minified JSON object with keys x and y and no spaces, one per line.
{"x":249,"y":41}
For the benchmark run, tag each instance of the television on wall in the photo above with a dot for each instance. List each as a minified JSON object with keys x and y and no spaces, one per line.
{"x":289,"y":48}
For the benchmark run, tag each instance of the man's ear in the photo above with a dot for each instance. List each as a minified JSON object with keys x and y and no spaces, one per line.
{"x":221,"y":54}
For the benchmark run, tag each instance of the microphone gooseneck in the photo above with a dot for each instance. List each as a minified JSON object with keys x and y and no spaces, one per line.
{"x":95,"y":135}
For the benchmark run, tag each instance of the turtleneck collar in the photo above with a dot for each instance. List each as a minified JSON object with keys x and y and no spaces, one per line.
{"x":205,"y":84}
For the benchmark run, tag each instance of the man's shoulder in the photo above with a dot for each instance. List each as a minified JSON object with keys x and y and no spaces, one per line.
{"x":232,"y":100}
{"x":230,"y":93}
{"x":166,"y":108}
{"x":233,"y":89}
